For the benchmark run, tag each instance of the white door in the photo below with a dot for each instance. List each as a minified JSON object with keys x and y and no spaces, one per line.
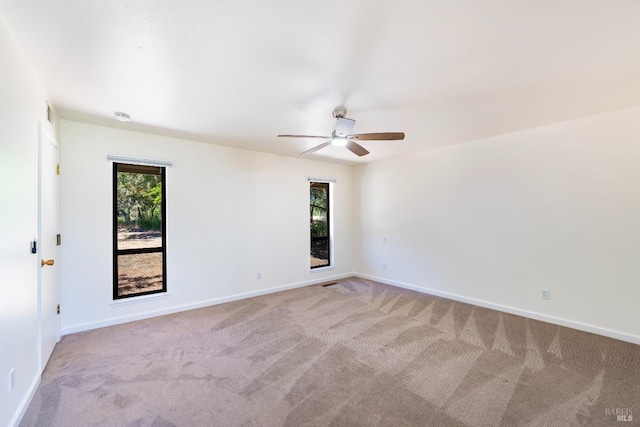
{"x":48,"y":263}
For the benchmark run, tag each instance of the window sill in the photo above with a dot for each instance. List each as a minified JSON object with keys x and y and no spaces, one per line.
{"x":319,"y":269}
{"x":141,"y":298}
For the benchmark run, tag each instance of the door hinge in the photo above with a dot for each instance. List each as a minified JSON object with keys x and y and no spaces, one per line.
{"x":58,"y":169}
{"x":58,"y":239}
{"x":58,"y":309}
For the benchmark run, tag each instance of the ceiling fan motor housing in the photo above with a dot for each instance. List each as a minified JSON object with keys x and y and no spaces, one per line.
{"x":343,"y":127}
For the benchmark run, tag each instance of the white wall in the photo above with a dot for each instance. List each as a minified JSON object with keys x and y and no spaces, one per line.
{"x":22,"y":105}
{"x":230,"y":214}
{"x":494,"y":221}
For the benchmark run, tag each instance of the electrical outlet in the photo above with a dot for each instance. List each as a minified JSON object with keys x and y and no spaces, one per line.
{"x":12,"y":379}
{"x":384,"y":266}
{"x":546,"y":294}
{"x":258,"y":275}
{"x":384,"y":240}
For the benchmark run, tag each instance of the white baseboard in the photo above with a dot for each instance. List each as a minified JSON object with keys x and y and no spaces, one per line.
{"x":200,"y":304}
{"x":24,"y":404}
{"x":622,"y":336}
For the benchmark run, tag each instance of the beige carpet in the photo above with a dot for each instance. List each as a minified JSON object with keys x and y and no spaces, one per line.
{"x":358,"y":353}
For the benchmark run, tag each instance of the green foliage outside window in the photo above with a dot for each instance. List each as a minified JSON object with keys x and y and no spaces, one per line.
{"x":139,"y":201}
{"x":318,"y":211}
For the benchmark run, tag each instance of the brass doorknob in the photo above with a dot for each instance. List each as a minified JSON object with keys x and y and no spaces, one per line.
{"x":47,"y":262}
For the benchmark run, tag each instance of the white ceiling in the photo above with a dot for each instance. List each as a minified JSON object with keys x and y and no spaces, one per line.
{"x":237,"y":72}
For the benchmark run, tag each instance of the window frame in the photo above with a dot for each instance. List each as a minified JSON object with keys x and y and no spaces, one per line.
{"x":117,"y":252}
{"x":330,"y":249}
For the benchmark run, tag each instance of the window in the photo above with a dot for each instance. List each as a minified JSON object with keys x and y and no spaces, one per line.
{"x":139,"y":233}
{"x":320,"y":224}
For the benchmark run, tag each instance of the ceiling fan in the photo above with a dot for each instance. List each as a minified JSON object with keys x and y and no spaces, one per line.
{"x":342,"y":136}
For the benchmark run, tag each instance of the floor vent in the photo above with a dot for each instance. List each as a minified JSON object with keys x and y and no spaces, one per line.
{"x":329,"y":284}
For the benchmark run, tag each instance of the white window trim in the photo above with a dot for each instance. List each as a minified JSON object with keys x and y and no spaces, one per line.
{"x":321,"y":269}
{"x":137,"y":160}
{"x":311,"y":178}
{"x":140,"y":298}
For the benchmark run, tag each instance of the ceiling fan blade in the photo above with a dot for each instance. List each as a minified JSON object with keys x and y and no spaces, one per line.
{"x":316,"y":148}
{"x":356,"y":148}
{"x":344,"y":126}
{"x":303,"y":136}
{"x":383,"y":136}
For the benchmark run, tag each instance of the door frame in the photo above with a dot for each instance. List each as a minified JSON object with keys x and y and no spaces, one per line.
{"x":46,"y":135}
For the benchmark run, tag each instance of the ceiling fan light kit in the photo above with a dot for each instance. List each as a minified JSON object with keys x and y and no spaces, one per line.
{"x":339,"y":141}
{"x":342,"y":136}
